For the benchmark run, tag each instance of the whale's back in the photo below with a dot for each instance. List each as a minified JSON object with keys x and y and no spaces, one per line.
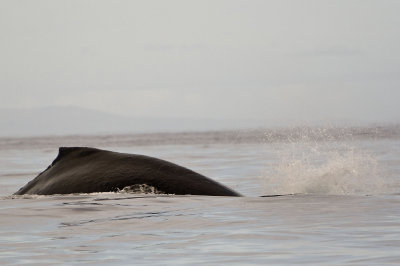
{"x":87,"y":170}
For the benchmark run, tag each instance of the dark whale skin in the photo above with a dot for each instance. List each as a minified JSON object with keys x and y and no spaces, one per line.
{"x":88,"y":170}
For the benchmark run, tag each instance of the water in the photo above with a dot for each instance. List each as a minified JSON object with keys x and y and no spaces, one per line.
{"x":340,"y":203}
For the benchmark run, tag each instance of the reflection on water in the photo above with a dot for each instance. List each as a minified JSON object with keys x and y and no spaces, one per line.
{"x":192,"y":229}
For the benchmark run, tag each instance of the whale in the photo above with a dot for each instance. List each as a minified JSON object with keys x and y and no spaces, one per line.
{"x":89,"y":170}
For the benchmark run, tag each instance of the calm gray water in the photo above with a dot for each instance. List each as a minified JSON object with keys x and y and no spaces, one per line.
{"x":340,"y":206}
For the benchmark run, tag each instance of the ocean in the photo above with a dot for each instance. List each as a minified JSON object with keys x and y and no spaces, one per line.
{"x":312,"y":195}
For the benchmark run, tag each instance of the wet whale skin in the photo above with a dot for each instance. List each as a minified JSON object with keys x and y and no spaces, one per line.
{"x":88,"y":170}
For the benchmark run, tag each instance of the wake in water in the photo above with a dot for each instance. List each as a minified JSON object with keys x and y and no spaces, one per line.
{"x":137,"y":190}
{"x":307,"y":166}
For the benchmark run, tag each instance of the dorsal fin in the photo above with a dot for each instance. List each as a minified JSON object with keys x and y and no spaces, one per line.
{"x":64,"y":151}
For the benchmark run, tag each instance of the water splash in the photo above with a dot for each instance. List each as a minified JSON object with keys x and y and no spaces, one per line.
{"x":307,"y":166}
{"x":140,"y":189}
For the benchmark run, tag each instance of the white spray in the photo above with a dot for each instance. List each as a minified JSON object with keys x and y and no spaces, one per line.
{"x":325,"y":167}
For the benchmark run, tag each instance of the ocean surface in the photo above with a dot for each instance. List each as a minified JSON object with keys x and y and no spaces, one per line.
{"x":339,"y":201}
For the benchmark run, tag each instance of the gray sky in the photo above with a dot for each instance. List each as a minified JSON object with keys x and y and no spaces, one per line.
{"x":267,"y":60}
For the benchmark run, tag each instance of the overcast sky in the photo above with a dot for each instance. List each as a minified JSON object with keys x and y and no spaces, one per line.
{"x":268,"y":60}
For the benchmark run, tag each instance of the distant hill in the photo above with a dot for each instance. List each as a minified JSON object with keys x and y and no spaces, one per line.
{"x":70,"y":120}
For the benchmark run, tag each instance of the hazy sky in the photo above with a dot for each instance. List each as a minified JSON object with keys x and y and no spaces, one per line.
{"x":268,"y":60}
